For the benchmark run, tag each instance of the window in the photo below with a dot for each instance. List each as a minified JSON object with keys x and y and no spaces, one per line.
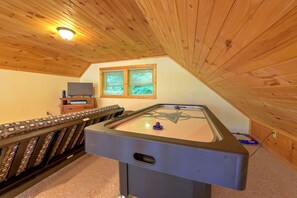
{"x":141,"y":82}
{"x":113,"y":83}
{"x":129,"y":81}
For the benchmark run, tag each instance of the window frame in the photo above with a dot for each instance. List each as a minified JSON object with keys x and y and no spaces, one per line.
{"x":125,"y":70}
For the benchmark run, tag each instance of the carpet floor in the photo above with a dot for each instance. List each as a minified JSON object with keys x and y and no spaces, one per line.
{"x":97,"y":177}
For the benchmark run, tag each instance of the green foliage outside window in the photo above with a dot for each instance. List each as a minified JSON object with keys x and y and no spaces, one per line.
{"x":114,"y":83}
{"x":129,"y":81}
{"x":141,"y":82}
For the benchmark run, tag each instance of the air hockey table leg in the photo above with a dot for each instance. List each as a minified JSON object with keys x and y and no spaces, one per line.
{"x":202,"y":190}
{"x":131,"y":181}
{"x":123,"y":169}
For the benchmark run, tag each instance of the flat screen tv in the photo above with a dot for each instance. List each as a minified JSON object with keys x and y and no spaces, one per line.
{"x":80,"y":89}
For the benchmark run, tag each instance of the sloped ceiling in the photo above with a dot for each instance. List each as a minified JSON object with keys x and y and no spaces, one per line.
{"x":105,"y":31}
{"x":245,"y":50}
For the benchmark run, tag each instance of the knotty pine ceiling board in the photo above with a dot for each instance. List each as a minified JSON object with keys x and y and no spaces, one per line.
{"x":244,"y":50}
{"x":106,"y":30}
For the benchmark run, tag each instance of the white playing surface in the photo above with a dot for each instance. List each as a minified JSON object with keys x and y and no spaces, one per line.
{"x":191,"y":125}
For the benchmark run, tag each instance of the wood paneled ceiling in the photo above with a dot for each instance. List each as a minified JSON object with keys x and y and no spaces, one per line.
{"x":105,"y":31}
{"x":245,"y":50}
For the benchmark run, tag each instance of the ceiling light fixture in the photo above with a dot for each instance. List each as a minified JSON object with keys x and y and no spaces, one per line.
{"x":66,"y":33}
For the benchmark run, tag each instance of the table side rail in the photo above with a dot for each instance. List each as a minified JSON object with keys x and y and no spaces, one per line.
{"x":209,"y":166}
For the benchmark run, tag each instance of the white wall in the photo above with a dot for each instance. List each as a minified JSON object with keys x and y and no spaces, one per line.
{"x":26,"y":95}
{"x":174,"y":85}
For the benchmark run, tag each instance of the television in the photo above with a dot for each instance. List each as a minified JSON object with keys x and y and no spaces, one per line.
{"x":80,"y":89}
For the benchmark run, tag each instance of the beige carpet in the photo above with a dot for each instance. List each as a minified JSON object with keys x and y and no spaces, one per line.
{"x":92,"y":176}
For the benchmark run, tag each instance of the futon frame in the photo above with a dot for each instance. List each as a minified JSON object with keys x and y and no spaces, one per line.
{"x":34,"y":149}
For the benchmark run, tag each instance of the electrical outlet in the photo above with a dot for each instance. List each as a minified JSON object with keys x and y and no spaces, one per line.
{"x":274,"y":134}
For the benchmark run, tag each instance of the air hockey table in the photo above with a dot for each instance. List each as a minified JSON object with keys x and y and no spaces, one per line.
{"x":170,"y":150}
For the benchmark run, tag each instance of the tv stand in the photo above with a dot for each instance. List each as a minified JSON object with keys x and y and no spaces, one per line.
{"x":75,"y":104}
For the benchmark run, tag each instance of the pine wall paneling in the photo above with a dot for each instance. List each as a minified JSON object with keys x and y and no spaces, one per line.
{"x":284,"y":146}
